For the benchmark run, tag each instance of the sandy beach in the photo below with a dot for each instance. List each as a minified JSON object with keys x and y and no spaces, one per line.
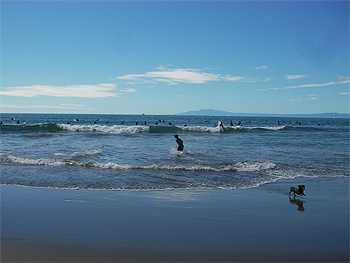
{"x":246,"y":225}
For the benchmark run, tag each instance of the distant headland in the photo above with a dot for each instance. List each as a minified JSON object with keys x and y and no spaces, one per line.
{"x":212,"y":112}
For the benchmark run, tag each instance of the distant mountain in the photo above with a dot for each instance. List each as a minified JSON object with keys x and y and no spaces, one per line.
{"x":211,"y":112}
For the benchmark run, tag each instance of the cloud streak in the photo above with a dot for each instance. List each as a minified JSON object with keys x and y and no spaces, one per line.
{"x":332,"y":83}
{"x":190,"y":76}
{"x":78,"y":91}
{"x":293,"y":77}
{"x":264,"y":67}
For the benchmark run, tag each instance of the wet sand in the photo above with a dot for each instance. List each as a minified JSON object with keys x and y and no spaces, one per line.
{"x":247,"y":225}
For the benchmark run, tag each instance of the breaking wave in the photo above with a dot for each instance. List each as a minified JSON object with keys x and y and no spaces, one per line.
{"x":244,"y":166}
{"x":131,"y":177}
{"x":125,"y":129}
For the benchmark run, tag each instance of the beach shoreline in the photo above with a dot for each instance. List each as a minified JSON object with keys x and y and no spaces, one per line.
{"x":244,"y":225}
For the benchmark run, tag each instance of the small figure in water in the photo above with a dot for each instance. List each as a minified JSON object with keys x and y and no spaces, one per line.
{"x":179,"y":142}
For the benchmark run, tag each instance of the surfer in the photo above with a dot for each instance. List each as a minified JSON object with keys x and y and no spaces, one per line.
{"x":179,"y":142}
{"x":220,"y":124}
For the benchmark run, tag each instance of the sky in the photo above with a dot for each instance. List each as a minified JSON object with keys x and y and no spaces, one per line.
{"x":169,"y":57}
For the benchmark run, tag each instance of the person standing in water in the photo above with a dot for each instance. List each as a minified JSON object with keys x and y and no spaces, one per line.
{"x":179,"y":142}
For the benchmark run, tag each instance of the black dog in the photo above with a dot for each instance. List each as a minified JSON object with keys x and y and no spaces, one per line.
{"x":298,"y":191}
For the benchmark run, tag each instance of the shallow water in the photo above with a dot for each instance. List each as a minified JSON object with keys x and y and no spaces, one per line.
{"x":138,"y":152}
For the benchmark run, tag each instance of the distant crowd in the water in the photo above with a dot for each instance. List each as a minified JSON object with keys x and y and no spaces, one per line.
{"x":219,"y":123}
{"x":13,"y":120}
{"x":169,"y":123}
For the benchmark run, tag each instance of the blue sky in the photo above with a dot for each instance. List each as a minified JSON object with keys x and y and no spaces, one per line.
{"x":170,"y":57}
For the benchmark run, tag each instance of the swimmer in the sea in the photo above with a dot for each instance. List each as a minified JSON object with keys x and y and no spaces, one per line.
{"x":179,"y":142}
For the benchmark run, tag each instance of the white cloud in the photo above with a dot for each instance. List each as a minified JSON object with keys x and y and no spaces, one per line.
{"x":311,"y":98}
{"x":266,"y":79}
{"x":79,"y":91}
{"x":344,"y":93}
{"x":127,"y":90}
{"x":173,"y":76}
{"x":309,"y":85}
{"x":132,"y":76}
{"x":316,"y":85}
{"x":292,"y":77}
{"x":233,"y":79}
{"x":264,"y":67}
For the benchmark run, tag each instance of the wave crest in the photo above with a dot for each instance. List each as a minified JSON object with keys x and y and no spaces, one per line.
{"x":104,"y":128}
{"x":243,"y":166}
{"x":117,"y":129}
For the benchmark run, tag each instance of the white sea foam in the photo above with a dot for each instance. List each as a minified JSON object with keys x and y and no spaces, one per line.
{"x":274,"y":128}
{"x":240,"y":166}
{"x":94,"y":151}
{"x":185,"y":152}
{"x":253,"y":166}
{"x":270,"y":128}
{"x":41,"y":161}
{"x":145,"y":129}
{"x":202,"y":129}
{"x":105,"y":128}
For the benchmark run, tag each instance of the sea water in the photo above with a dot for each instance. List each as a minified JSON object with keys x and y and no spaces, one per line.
{"x":139,"y":152}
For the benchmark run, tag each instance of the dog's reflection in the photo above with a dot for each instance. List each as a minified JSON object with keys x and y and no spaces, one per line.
{"x":297,"y":202}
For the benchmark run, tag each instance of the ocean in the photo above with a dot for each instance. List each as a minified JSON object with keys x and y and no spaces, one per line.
{"x":139,"y":152}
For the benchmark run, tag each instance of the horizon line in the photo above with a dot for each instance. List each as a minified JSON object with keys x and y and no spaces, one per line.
{"x":183,"y":114}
